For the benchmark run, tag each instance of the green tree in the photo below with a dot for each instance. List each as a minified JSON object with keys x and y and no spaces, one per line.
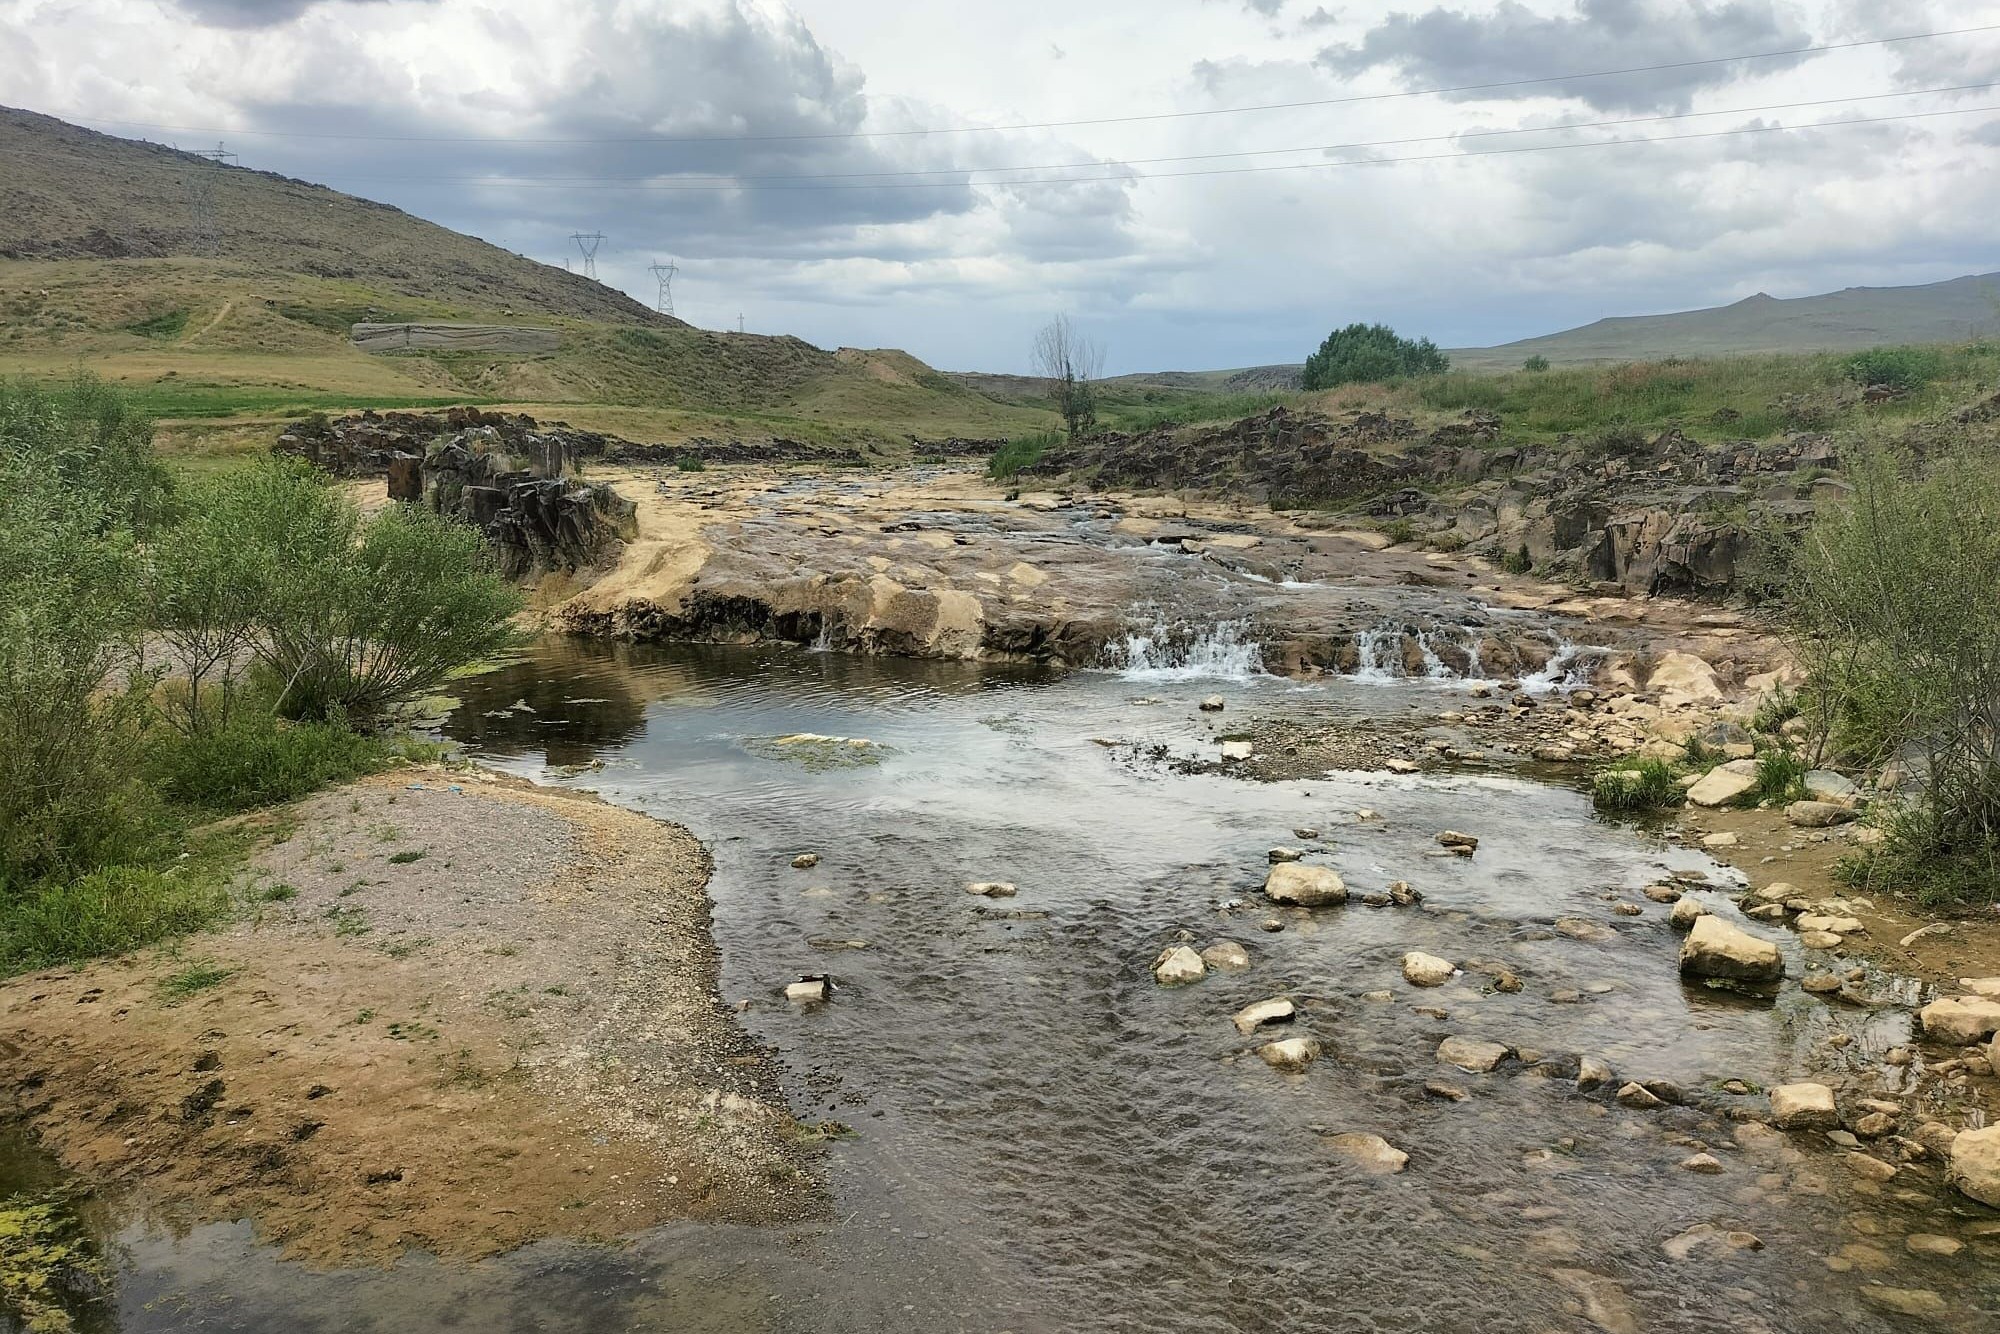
{"x":1369,"y":352}
{"x":1069,"y":364}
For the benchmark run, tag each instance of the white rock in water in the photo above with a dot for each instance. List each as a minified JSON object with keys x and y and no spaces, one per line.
{"x":1716,"y":949}
{"x":1724,"y":783}
{"x":1236,"y":750}
{"x":1975,"y":1164}
{"x":1370,"y":1152}
{"x":991,"y":889}
{"x":1804,"y":1107}
{"x":1426,"y":970}
{"x":1458,"y":842}
{"x":1177,"y":966}
{"x":1286,"y":855}
{"x":1226,"y":956}
{"x":805,"y":861}
{"x":1686,"y":910}
{"x":1290,"y":1054}
{"x":1471,"y":1054}
{"x":1592,"y":1073}
{"x":1305,"y":886}
{"x":1277,"y":1010}
{"x":1213,"y":704}
{"x":1962,"y":1021}
{"x":807,"y":991}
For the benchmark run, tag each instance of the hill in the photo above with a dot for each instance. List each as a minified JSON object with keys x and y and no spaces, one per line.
{"x":98,"y":268}
{"x":1857,"y":317}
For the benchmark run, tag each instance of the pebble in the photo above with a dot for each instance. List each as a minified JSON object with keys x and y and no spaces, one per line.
{"x":1278,"y":855}
{"x":1426,"y":970}
{"x":1226,"y":956}
{"x":991,"y":889}
{"x":805,"y":861}
{"x":1636,"y":1097}
{"x":1290,"y":1055}
{"x":1705,"y":1164}
{"x":1277,"y":1010}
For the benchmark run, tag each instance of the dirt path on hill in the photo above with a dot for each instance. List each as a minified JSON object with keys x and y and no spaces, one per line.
{"x":465,"y":1013}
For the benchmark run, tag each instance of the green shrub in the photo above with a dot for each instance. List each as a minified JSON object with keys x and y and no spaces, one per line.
{"x":166,"y":325}
{"x":1022,"y":452}
{"x":1362,"y":353}
{"x":106,"y":911}
{"x":1778,"y":707}
{"x":1400,"y":532}
{"x":1517,"y":561}
{"x":1650,"y":785}
{"x":689,"y":463}
{"x":258,"y":760}
{"x":1535,"y":364}
{"x":1903,"y":368}
{"x":1896,"y":614}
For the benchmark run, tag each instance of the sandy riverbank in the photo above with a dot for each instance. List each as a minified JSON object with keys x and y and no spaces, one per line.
{"x":464,"y":1013}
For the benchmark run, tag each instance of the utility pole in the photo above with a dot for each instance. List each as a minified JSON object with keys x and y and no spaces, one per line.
{"x":665,"y":273}
{"x":198,"y":183}
{"x":739,"y":321}
{"x":588,"y":242}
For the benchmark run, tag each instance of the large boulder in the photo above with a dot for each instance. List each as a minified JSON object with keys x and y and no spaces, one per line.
{"x":1975,"y":1164}
{"x":1719,"y":950}
{"x":1686,"y":675}
{"x":1963,"y":1020}
{"x":1826,"y":785}
{"x":1817,"y":814}
{"x":1724,"y":783}
{"x":1304,"y":886}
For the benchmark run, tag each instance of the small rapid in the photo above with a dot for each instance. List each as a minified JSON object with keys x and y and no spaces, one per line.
{"x":1171,"y":650}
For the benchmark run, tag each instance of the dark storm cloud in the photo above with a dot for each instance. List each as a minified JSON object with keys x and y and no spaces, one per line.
{"x":1449,"y":48}
{"x":257,"y":13}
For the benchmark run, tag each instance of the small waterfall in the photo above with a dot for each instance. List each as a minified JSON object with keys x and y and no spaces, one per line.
{"x":1380,"y":659}
{"x":1182,"y":652}
{"x":1372,"y":645}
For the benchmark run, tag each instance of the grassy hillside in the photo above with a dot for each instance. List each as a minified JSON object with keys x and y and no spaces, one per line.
{"x":95,"y":272}
{"x":1859,"y":317}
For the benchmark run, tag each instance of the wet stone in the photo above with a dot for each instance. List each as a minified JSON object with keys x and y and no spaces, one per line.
{"x":1472,"y":1054}
{"x":805,"y":861}
{"x":1226,"y":956}
{"x":1178,"y":966}
{"x":1369,"y":1152}
{"x":1278,"y":1010}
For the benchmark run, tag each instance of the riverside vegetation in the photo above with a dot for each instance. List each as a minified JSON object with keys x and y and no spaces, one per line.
{"x":174,"y":650}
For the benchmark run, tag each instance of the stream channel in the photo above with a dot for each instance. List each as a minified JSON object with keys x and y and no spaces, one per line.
{"x":1046,"y":1139}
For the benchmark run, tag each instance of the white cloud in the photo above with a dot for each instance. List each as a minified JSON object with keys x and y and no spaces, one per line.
{"x":663,"y":95}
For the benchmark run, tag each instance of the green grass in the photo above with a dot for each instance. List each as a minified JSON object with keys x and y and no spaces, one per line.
{"x":192,"y":979}
{"x":1023,"y":451}
{"x":166,"y":325}
{"x":405,"y":858}
{"x":262,"y":761}
{"x":107,"y":911}
{"x":169,"y":400}
{"x":1781,"y":778}
{"x":1649,"y":785}
{"x":1194,"y":409}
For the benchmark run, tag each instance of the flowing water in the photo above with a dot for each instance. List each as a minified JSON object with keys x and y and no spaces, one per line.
{"x":1046,"y":1139}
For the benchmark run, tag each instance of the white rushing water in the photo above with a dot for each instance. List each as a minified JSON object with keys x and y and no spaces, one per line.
{"x":1381,"y":661}
{"x":1183,"y":652}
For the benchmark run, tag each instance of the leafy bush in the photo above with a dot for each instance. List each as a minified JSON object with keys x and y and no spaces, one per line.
{"x":1649,"y":785}
{"x":1896,"y":612}
{"x":1903,"y":368}
{"x":1023,"y":451}
{"x":1370,"y":352}
{"x":1536,"y":364}
{"x":1517,"y":561}
{"x":689,"y":463}
{"x":1774,"y":710}
{"x":255,"y":760}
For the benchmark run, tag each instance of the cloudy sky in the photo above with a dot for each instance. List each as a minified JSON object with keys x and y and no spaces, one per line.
{"x":944,"y":177}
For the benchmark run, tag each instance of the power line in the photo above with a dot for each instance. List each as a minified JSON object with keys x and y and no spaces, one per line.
{"x":198,"y":186}
{"x":588,"y":242}
{"x":611,"y":182}
{"x":1494,"y":86}
{"x":664,"y":273}
{"x":1303,"y":166}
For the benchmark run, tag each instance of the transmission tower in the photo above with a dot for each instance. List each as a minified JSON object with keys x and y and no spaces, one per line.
{"x":665,"y":273}
{"x":588,"y":242}
{"x":198,"y":183}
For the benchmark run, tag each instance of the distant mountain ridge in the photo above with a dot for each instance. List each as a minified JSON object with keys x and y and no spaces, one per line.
{"x":1951,"y":311}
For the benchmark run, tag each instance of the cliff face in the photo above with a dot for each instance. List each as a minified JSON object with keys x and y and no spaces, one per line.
{"x":1668,"y":514}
